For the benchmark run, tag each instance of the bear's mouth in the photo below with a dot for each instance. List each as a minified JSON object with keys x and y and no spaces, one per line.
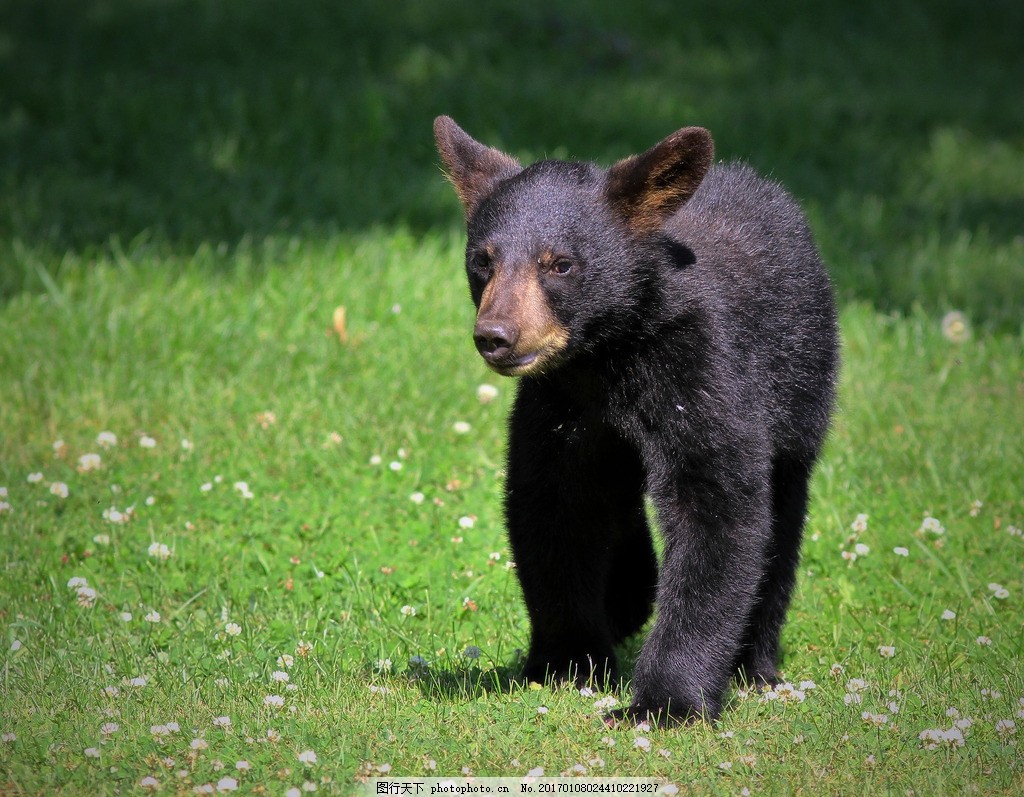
{"x":514,"y":365}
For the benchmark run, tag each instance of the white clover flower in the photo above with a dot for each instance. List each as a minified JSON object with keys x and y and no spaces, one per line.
{"x":274,"y":701}
{"x":375,"y":460}
{"x":34,"y":478}
{"x":243,"y":766}
{"x":202,"y":744}
{"x":138,"y":681}
{"x":886,"y":651}
{"x":232,"y":629}
{"x":932,"y":526}
{"x":901,"y":551}
{"x":147,"y":442}
{"x":933,"y":738}
{"x":59,"y":489}
{"x":307,"y":757}
{"x":642,"y":743}
{"x":949,"y":614}
{"x":77,"y":581}
{"x":186,"y":444}
{"x":466,"y":522}
{"x":486,"y":393}
{"x":878,"y":720}
{"x":1006,"y":728}
{"x":280,"y":676}
{"x":86,"y":597}
{"x":408,"y":611}
{"x":999,"y":591}
{"x":150,"y":783}
{"x":861,"y":549}
{"x":852,"y":699}
{"x":984,"y":641}
{"x":849,"y":556}
{"x":109,"y":728}
{"x":243,"y":490}
{"x":227,"y":784}
{"x":222,"y":722}
{"x":285,"y":660}
{"x":4,"y":507}
{"x":88,"y":462}
{"x":606,"y":702}
{"x":303,"y":649}
{"x":106,"y":439}
{"x":152,"y":617}
{"x":273,"y":735}
{"x":159,"y":550}
{"x":15,"y":645}
{"x":417,"y":498}
{"x":91,"y":752}
{"x":856,"y":685}
{"x":461,"y":427}
{"x":860,"y":524}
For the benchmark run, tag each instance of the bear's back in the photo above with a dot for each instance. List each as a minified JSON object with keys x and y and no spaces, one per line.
{"x":758,"y":279}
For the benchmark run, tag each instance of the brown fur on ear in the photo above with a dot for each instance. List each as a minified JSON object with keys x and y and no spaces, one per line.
{"x":648,"y":188}
{"x":473,"y":169}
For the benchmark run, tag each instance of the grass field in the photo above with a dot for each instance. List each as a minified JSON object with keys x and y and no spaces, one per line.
{"x":289,"y":570}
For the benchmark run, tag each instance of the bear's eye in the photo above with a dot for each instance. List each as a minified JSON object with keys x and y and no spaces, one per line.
{"x":481,"y":264}
{"x":562,"y":266}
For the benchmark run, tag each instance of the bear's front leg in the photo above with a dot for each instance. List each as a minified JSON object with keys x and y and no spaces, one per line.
{"x":574,"y":495}
{"x":715,"y":533}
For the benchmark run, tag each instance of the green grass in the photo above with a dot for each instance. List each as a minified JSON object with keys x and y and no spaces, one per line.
{"x":190,"y":189}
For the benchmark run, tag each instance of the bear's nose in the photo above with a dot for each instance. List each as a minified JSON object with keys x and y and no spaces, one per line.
{"x":494,"y":339}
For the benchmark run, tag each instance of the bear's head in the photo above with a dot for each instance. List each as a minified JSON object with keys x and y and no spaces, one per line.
{"x":561,"y":256}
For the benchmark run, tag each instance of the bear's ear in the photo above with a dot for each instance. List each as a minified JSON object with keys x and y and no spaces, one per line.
{"x":473,"y":169}
{"x":648,"y":188}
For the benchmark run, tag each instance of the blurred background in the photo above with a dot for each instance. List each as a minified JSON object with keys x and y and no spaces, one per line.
{"x":169,"y":125}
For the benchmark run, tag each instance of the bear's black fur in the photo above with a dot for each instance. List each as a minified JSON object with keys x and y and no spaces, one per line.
{"x":675,"y":334}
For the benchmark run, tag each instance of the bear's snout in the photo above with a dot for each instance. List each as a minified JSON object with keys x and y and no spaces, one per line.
{"x":495,"y":339}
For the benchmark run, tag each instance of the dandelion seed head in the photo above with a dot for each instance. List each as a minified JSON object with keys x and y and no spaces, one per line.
{"x":955,"y":327}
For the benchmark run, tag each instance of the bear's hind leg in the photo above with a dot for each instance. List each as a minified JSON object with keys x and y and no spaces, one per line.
{"x":759,"y":657}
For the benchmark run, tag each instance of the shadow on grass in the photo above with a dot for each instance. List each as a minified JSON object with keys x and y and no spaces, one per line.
{"x":173,"y":124}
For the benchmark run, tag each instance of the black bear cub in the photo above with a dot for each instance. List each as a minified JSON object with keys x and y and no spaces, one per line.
{"x":674,"y":332}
